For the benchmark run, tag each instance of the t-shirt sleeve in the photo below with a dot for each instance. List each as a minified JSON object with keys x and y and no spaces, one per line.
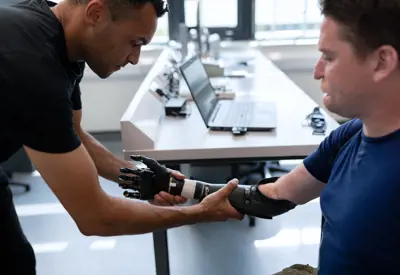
{"x":76,"y":93}
{"x":39,"y":109}
{"x":320,"y":162}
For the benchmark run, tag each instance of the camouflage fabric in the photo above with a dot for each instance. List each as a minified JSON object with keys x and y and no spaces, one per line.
{"x":298,"y":269}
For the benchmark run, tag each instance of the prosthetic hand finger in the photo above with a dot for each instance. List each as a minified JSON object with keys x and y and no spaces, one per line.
{"x":133,"y":183}
{"x":133,"y":195}
{"x":126,"y":178}
{"x":151,"y":164}
{"x":145,"y":181}
{"x":131,"y":171}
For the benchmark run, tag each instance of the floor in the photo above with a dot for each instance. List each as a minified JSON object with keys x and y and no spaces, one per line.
{"x":215,"y":248}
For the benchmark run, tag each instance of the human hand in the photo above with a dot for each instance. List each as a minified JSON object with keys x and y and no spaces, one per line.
{"x":165,"y":199}
{"x":216,"y":206}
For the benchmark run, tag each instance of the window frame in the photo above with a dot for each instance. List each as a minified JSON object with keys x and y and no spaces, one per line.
{"x":244,"y":30}
{"x":305,"y":30}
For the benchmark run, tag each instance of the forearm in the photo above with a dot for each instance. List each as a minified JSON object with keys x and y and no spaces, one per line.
{"x":299,"y":186}
{"x":129,"y":217}
{"x":107,"y":164}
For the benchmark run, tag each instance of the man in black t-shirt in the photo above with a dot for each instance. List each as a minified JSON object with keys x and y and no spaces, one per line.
{"x":42,"y":51}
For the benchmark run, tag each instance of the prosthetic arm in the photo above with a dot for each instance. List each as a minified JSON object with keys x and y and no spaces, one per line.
{"x":247,"y":199}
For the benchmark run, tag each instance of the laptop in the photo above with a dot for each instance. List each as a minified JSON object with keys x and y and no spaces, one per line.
{"x":225,"y":114}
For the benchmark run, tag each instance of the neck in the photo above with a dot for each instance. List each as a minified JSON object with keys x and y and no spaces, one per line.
{"x":384,"y":118}
{"x":65,"y":12}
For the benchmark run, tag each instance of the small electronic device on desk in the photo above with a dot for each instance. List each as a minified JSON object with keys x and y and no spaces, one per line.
{"x":174,"y":106}
{"x":316,"y":120}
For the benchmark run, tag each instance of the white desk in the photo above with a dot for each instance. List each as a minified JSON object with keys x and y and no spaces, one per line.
{"x":146,"y":131}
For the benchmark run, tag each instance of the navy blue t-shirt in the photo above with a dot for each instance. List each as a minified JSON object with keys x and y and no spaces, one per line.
{"x":360,"y":203}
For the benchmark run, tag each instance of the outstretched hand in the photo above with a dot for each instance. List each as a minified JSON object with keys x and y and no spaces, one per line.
{"x":216,"y":206}
{"x":162,"y":198}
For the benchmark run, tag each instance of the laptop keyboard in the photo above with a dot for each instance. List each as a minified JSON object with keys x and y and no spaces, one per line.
{"x":239,"y":114}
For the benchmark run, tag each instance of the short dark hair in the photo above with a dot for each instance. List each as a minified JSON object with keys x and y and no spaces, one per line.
{"x":117,"y":7}
{"x":366,"y":24}
{"x":160,"y":6}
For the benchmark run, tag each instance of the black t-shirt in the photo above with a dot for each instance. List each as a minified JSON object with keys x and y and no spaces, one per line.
{"x":39,"y":86}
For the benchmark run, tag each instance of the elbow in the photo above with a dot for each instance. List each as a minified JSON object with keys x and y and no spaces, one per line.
{"x":97,"y":225}
{"x":95,"y":221}
{"x":99,"y":229}
{"x":87,"y":230}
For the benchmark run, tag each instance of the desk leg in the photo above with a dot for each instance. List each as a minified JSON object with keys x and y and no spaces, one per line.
{"x":161,"y":252}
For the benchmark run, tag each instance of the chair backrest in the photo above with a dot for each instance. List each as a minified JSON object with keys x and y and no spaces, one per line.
{"x":19,"y":162}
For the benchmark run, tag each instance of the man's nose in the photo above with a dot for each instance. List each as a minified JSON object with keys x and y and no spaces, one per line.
{"x":133,"y":58}
{"x":319,"y":70}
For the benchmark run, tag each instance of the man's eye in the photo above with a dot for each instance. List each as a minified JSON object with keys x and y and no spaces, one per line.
{"x":326,"y":58}
{"x":136,"y":43}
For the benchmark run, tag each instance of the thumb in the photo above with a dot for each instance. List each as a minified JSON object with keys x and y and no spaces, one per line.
{"x":229,"y":187}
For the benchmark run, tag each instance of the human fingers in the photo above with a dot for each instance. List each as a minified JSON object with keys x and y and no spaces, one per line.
{"x":225,"y":191}
{"x":177,"y":174}
{"x":171,"y":198}
{"x":159,"y":201}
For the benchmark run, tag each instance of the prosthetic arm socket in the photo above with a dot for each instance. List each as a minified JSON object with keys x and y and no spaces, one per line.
{"x":247,"y":199}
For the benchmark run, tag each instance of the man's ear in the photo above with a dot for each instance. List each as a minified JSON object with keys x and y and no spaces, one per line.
{"x":97,"y":14}
{"x":386,"y":60}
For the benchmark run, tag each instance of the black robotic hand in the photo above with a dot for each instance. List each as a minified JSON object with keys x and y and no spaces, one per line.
{"x":145,"y":182}
{"x":247,"y":199}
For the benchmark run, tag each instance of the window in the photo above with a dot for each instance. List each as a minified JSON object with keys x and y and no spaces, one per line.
{"x":275,"y":21}
{"x":219,"y":16}
{"x":231,"y":19}
{"x":213,"y":13}
{"x":162,"y":34}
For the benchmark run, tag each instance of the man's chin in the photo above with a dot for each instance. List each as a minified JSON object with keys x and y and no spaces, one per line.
{"x":104,"y":75}
{"x":327,"y":101}
{"x":337,"y":110}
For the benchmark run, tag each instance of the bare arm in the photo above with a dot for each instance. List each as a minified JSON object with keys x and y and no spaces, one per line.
{"x":298,"y":186}
{"x":107,"y":164}
{"x":74,"y":180}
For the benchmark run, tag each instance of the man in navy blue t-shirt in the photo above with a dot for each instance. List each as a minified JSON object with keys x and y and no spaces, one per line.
{"x":356,"y":170}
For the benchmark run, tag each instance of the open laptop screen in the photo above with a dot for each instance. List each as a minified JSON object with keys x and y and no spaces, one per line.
{"x":199,"y":85}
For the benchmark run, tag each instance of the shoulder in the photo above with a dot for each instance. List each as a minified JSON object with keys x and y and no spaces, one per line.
{"x":340,"y":136}
{"x":32,"y":71}
{"x":351,"y":127}
{"x":29,"y":25}
{"x":35,"y":94}
{"x":321,"y":161}
{"x":345,"y":132}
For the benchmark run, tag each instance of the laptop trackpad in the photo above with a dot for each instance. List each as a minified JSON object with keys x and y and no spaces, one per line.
{"x":264,"y":114}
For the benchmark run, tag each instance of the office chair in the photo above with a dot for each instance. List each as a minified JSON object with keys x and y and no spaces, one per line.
{"x":274,"y":166}
{"x":11,"y":182}
{"x":19,"y":162}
